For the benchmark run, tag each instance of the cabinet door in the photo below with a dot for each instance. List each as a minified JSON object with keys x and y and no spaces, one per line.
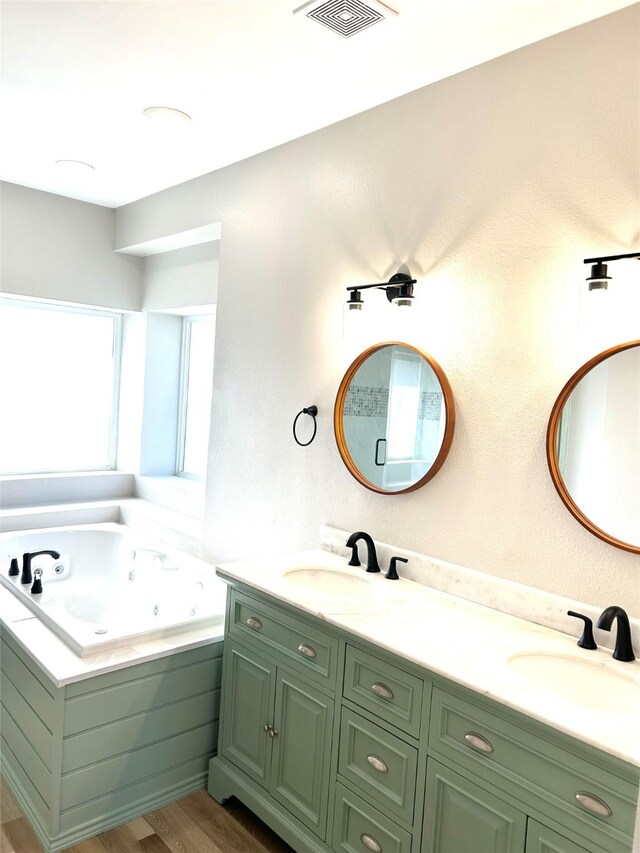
{"x":302,"y":750}
{"x":461,"y":817}
{"x":540,"y":839}
{"x":247,"y":707}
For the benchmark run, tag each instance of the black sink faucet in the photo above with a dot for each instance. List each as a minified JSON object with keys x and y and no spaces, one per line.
{"x":26,"y":576}
{"x":623,"y":650}
{"x":372,"y":558}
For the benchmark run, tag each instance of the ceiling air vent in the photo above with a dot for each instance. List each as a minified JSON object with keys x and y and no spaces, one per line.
{"x":346,"y":17}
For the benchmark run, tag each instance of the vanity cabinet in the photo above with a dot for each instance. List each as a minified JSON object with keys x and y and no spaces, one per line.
{"x":379,"y":795}
{"x":541,"y":839}
{"x":342,"y":746}
{"x":462,"y":816}
{"x":277,"y":718}
{"x":549,"y":776}
{"x":278,"y":731}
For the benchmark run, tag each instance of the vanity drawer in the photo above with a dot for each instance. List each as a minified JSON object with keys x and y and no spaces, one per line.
{"x":359,"y":828}
{"x":520,"y":761}
{"x":305,"y":647}
{"x":378,"y":763}
{"x":384,"y":689}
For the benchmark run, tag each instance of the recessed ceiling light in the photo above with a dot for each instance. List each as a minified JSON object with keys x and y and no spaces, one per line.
{"x":166,"y":115}
{"x":74,"y":167}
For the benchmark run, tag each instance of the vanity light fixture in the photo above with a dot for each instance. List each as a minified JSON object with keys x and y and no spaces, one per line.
{"x":599,"y":280}
{"x":399,"y":290}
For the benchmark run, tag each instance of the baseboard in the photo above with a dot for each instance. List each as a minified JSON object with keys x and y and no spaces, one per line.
{"x":24,"y":801}
{"x":54,"y":844}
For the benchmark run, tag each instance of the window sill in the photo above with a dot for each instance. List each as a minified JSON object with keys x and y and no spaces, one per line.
{"x":33,"y":490}
{"x":177,"y":494}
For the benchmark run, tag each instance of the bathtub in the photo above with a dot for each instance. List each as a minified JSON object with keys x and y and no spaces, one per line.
{"x":112,"y":586}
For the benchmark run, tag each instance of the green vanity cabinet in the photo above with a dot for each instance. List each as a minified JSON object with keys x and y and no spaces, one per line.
{"x":379,"y":764}
{"x":278,"y":730}
{"x":248,"y":692}
{"x":462,"y":817}
{"x":541,"y":839}
{"x":359,"y":827}
{"x":277,"y":718}
{"x":344,"y":747}
{"x":565,"y":784}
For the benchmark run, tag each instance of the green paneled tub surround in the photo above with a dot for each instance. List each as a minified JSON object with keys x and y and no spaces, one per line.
{"x":111,"y":677}
{"x":93,"y":754}
{"x":341,"y":745}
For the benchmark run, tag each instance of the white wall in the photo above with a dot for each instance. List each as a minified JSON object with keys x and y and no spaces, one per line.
{"x":492,"y":186}
{"x":182,"y":278}
{"x":60,"y":248}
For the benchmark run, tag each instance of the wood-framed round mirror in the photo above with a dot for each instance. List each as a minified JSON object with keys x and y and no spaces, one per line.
{"x":593,"y":445}
{"x":394,"y":418}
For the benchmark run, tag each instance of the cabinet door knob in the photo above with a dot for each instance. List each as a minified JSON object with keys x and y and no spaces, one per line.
{"x":370,"y":843}
{"x":593,"y":804}
{"x":254,"y":623}
{"x":306,"y":650}
{"x":266,"y":728}
{"x":478,"y":742}
{"x":382,"y":690}
{"x":272,"y":732}
{"x":377,"y":764}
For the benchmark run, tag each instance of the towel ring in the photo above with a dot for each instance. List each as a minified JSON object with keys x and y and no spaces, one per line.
{"x":312,"y":411}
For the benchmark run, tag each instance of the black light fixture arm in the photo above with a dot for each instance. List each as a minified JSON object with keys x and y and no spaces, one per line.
{"x":604,"y":258}
{"x":398,"y":289}
{"x":381,"y":286}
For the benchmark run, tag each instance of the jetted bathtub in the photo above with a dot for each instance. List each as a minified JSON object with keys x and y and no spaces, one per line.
{"x":112,"y":585}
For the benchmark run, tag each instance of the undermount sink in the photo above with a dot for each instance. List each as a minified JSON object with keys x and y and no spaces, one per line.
{"x":320,"y":579}
{"x":584,"y":682}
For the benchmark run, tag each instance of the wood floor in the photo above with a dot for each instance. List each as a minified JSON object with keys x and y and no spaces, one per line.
{"x":195,"y":824}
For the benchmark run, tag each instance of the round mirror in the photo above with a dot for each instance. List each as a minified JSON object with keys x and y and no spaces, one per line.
{"x":394,"y":418}
{"x":593,"y":446}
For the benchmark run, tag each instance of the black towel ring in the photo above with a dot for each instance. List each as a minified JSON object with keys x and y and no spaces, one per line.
{"x":312,"y":411}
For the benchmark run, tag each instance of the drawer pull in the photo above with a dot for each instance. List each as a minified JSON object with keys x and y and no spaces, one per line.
{"x":306,"y":650}
{"x":593,"y":804}
{"x":254,"y":623}
{"x":382,"y":691}
{"x":478,"y":742}
{"x":370,"y":843}
{"x":377,"y":764}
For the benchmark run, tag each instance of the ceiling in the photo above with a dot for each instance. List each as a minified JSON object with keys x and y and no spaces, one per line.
{"x":77,"y":74}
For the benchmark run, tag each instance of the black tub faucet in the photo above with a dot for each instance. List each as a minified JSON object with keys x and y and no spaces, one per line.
{"x":623,"y":650}
{"x":372,"y":558}
{"x":26,"y":576}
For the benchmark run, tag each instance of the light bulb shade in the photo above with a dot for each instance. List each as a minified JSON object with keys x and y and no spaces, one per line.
{"x":598,"y":280}
{"x":355,"y":302}
{"x":402,"y":294}
{"x":403,"y":300}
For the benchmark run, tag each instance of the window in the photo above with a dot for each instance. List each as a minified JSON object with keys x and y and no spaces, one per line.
{"x":404,"y":405}
{"x":59,"y":371}
{"x":198,"y":334}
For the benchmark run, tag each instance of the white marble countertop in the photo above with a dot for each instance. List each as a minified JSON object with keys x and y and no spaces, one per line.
{"x":468,"y":643}
{"x":64,"y":667}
